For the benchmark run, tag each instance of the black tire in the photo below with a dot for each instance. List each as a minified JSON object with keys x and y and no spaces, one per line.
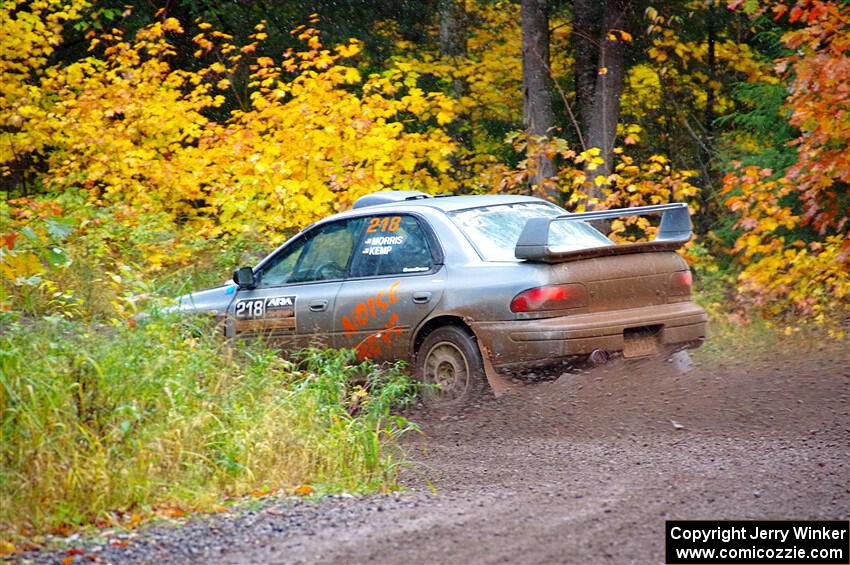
{"x":449,"y":358}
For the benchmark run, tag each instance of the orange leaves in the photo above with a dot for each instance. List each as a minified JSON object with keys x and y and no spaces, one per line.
{"x":71,"y":554}
{"x":782,"y":274}
{"x":820,"y":108}
{"x":304,"y":490}
{"x":171,"y":512}
{"x":618,"y":35}
{"x":795,"y":14}
{"x":8,"y":240}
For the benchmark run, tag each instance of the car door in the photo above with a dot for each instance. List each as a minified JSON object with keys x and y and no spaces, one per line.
{"x":395,"y":280}
{"x":293,"y":302}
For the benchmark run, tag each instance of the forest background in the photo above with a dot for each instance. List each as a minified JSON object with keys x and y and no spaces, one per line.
{"x":152,"y":140}
{"x":147,"y":149}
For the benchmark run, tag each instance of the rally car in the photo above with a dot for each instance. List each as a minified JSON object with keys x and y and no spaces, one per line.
{"x":468,"y":288}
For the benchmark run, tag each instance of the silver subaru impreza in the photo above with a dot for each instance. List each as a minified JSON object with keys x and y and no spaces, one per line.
{"x":468,"y":288}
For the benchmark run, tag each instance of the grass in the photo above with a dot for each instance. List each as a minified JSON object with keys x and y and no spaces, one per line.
{"x":735,"y":336}
{"x":104,"y":422}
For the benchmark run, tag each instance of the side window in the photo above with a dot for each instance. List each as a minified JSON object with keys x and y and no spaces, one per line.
{"x":321,"y":255}
{"x":392,"y":245}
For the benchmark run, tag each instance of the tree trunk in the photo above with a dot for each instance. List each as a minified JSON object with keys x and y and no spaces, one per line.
{"x":453,"y":46}
{"x":453,"y":37}
{"x":706,"y":150}
{"x":586,"y":30}
{"x":610,"y":77}
{"x":712,"y":72}
{"x":538,"y":116}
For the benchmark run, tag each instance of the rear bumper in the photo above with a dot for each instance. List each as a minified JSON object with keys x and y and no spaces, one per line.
{"x":539,"y":342}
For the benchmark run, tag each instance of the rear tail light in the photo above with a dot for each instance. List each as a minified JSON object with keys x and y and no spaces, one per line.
{"x":552,"y":297}
{"x":680,"y":283}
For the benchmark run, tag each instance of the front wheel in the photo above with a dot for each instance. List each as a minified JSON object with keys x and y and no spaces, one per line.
{"x":450,"y":360}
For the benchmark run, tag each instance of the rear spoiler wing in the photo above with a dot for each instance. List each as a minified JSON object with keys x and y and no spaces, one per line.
{"x":674,"y":232}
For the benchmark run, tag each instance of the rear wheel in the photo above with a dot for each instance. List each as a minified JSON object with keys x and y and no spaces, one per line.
{"x":450,"y":360}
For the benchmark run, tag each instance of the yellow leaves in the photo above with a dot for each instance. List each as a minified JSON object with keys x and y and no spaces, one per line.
{"x":659,"y":55}
{"x":590,"y":158}
{"x":20,"y":266}
{"x":492,"y":70}
{"x":783,"y":278}
{"x":309,"y":147}
{"x":352,"y":48}
{"x":134,"y":520}
{"x":444,"y":117}
{"x":408,"y":162}
{"x":173,"y":25}
{"x":447,"y":109}
{"x":631,"y":133}
{"x":651,"y":13}
{"x":770,"y":224}
{"x":603,"y":70}
{"x":351,"y":76}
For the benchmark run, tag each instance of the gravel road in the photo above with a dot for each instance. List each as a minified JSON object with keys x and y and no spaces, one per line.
{"x":581,"y":470}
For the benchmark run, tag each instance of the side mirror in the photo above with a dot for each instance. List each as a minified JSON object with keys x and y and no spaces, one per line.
{"x":244,"y":277}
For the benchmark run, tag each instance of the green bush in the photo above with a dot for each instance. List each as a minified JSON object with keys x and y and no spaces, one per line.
{"x":97,"y":420}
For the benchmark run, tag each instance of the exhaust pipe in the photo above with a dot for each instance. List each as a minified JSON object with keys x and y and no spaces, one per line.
{"x":599,"y":357}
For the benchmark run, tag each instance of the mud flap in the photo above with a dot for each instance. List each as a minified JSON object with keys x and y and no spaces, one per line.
{"x":498,"y":383}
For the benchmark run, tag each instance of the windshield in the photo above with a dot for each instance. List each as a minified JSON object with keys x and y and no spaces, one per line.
{"x":494,"y":230}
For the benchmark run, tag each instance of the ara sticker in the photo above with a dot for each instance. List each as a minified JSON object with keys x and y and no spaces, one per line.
{"x":273,"y":312}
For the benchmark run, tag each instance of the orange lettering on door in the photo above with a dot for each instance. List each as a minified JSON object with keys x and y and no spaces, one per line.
{"x":372,"y":308}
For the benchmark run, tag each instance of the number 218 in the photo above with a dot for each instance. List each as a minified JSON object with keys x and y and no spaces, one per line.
{"x":384,"y":224}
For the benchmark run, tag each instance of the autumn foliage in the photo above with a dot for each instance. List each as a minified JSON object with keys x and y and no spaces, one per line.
{"x":125,"y":144}
{"x":312,"y":134}
{"x":794,"y":243}
{"x":131,"y":157}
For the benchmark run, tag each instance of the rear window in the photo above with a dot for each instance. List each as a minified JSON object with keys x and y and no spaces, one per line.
{"x":495,"y":230}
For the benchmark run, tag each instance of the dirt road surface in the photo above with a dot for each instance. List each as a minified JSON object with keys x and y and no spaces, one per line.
{"x":582,"y":470}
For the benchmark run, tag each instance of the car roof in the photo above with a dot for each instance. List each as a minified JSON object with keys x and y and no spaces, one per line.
{"x":422,"y":203}
{"x":443,"y":203}
{"x":452,"y":203}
